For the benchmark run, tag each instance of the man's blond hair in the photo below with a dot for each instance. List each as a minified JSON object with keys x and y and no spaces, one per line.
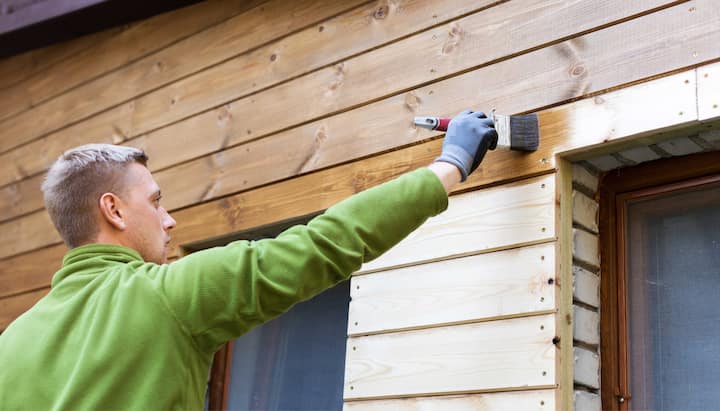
{"x":76,"y":181}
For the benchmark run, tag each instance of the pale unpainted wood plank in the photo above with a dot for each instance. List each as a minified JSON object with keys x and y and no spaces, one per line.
{"x":605,"y":162}
{"x":402,"y":65}
{"x":587,"y":367}
{"x":494,"y":218}
{"x":709,"y":92}
{"x":504,"y":283}
{"x":27,"y":233}
{"x":712,"y":137}
{"x":586,"y":325}
{"x":21,"y":198}
{"x":493,"y":355}
{"x":121,"y":46}
{"x":539,"y":400}
{"x":639,"y":154}
{"x":231,"y":37}
{"x":30,"y":271}
{"x":564,"y":277}
{"x":13,"y":307}
{"x":585,"y":211}
{"x":680,"y":146}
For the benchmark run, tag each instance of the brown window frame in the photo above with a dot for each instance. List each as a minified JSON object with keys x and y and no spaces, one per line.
{"x":616,"y":188}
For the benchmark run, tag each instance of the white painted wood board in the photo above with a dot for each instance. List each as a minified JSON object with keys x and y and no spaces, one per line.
{"x":708,"y":92}
{"x":586,"y":247}
{"x":585,"y":211}
{"x":586,"y":286}
{"x":537,"y":400}
{"x":587,"y":367}
{"x":586,"y":325}
{"x":583,"y":177}
{"x":586,"y":401}
{"x":482,"y":220}
{"x":493,"y":355}
{"x":502,"y":283}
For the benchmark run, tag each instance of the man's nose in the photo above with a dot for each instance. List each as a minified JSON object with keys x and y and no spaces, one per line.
{"x":169,"y":223}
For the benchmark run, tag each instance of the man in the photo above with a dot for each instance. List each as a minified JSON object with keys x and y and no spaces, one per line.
{"x":122,"y":330}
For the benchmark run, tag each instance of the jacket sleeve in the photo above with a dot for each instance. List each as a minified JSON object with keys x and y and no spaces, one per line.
{"x":220,"y":293}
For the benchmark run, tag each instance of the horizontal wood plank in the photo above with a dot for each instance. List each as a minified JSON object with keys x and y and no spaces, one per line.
{"x":494,"y":355}
{"x":27,"y":233}
{"x":709,"y":92}
{"x":418,"y":59}
{"x":504,"y":283}
{"x":538,"y":400}
{"x":13,"y":307}
{"x":30,"y":271}
{"x":234,"y":36}
{"x":499,"y":217}
{"x":121,"y":46}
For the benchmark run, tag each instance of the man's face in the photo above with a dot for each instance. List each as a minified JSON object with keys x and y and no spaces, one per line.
{"x":148,"y":224}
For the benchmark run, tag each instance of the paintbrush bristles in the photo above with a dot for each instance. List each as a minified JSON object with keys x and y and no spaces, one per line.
{"x":524,"y":132}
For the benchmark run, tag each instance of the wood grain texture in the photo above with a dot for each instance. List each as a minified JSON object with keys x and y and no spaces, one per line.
{"x":564,"y":295}
{"x":364,"y":78}
{"x":486,"y":286}
{"x":122,"y":46}
{"x":538,"y":400}
{"x":30,"y":271}
{"x":13,"y":307}
{"x":23,"y":66}
{"x":494,"y":218}
{"x":495,"y":355}
{"x":27,"y":233}
{"x":384,"y":125}
{"x":231,"y":37}
{"x":708,"y":79}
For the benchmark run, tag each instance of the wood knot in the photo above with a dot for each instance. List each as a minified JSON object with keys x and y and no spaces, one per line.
{"x":381,"y":12}
{"x":454,"y":37}
{"x":273,"y":57}
{"x":599,"y":100}
{"x":159,"y":66}
{"x":412,"y":101}
{"x":223,"y":115}
{"x":578,"y":70}
{"x":339,"y":78}
{"x":359,"y":182}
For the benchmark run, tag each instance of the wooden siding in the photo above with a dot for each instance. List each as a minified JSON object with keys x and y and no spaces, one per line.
{"x":262,"y":111}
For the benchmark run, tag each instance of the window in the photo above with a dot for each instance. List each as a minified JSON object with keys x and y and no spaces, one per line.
{"x":660,"y":235}
{"x":294,"y":362}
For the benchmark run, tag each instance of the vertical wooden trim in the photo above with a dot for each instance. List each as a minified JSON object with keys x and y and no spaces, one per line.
{"x":564,"y":280}
{"x":220,"y":378}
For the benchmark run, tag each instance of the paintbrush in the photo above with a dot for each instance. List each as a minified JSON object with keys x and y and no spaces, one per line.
{"x":519,"y":133}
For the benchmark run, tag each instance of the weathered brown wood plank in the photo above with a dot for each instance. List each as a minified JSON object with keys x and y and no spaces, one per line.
{"x":537,"y":400}
{"x":12,"y":307}
{"x":115,"y":49}
{"x":31,"y":63}
{"x":480,"y":287}
{"x":30,"y":271}
{"x":421,"y":58}
{"x":495,"y":355}
{"x":234,"y":36}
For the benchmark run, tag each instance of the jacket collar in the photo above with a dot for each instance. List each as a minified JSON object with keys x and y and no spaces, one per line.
{"x":94,"y":258}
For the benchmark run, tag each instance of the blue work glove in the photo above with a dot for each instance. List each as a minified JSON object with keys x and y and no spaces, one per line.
{"x":469,"y":136}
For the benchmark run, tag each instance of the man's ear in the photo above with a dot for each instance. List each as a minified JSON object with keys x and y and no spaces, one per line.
{"x":111,"y":211}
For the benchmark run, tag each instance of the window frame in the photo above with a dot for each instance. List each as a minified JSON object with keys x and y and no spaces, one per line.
{"x":616,"y":189}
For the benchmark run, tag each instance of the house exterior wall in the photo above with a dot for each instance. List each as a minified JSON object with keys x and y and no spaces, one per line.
{"x":262,"y":112}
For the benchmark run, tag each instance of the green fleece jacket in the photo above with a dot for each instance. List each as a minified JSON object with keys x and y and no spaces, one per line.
{"x":116,"y":332}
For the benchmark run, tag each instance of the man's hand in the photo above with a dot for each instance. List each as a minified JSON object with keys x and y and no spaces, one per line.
{"x":469,"y":136}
